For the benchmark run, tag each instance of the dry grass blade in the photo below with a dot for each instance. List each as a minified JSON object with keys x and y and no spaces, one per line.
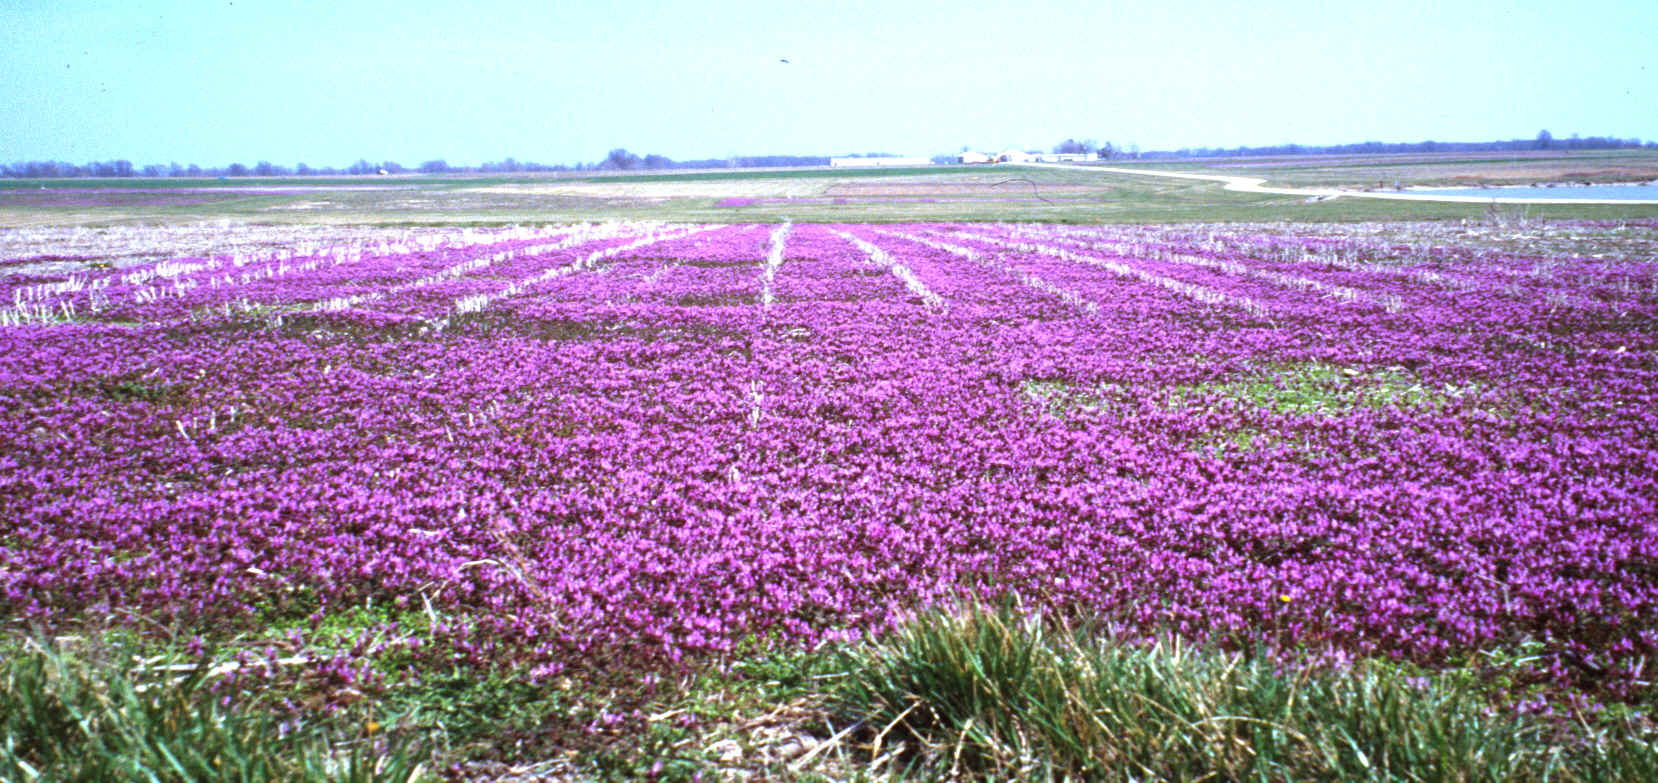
{"x":833,"y":741}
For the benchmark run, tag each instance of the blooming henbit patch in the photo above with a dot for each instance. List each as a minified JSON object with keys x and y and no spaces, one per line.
{"x":661,"y":440}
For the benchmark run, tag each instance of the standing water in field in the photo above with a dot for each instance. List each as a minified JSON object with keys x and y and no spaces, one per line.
{"x":1633,"y":191}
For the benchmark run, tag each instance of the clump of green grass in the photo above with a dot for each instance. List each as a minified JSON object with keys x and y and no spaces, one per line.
{"x":1327,"y":389}
{"x":1000,"y":694}
{"x":1311,"y":389}
{"x":1296,"y":388}
{"x":111,"y":714}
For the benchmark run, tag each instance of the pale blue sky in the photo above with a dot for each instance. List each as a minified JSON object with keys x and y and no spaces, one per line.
{"x":329,"y":82}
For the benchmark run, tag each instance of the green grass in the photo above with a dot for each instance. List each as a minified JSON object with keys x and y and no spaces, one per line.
{"x":113,"y":713}
{"x":959,"y":693}
{"x":1295,"y":389}
{"x":1292,"y":388}
{"x":998,"y":694}
{"x":1289,"y":389}
{"x":1316,"y":388}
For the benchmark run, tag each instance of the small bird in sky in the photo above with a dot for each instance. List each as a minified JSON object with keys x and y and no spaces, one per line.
{"x":781,"y":60}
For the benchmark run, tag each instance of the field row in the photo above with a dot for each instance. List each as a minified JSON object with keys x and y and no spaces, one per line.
{"x":434,"y":275}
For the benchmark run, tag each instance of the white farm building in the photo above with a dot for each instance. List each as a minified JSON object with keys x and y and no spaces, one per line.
{"x":1020,"y":156}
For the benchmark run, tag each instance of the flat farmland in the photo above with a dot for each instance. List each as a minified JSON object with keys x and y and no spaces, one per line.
{"x":829,"y":195}
{"x":652,"y":447}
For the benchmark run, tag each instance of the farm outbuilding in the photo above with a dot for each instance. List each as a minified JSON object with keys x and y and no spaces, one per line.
{"x":1020,"y":156}
{"x":969,"y":156}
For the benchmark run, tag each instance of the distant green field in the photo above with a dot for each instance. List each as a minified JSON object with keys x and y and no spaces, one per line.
{"x":933,"y":193}
{"x":809,"y":173}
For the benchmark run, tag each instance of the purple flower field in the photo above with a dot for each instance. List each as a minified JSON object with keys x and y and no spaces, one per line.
{"x":653,"y":442}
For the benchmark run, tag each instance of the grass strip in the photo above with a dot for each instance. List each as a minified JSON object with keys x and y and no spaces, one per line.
{"x":1000,"y":694}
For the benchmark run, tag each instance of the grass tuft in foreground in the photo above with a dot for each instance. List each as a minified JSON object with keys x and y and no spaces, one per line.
{"x":1000,"y":694}
{"x":113,"y":715}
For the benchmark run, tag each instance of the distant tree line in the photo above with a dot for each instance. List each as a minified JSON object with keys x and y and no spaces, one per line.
{"x":1543,"y":141}
{"x":44,"y":169}
{"x":1103,"y":151}
{"x":618,"y":159}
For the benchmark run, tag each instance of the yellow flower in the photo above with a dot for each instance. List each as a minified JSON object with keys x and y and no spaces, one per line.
{"x":1285,"y":598}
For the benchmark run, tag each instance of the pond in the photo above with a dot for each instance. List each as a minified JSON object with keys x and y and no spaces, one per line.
{"x":1630,"y":191}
